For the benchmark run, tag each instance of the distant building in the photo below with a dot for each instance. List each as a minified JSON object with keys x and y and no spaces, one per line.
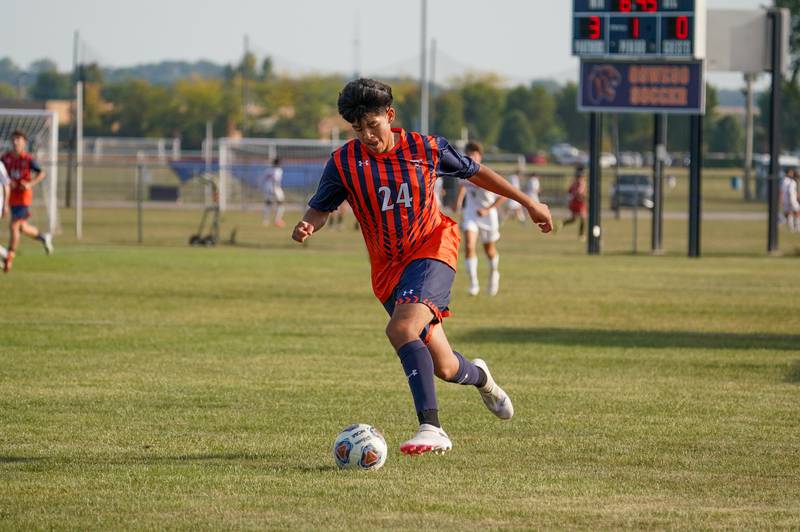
{"x":63,"y":108}
{"x":16,"y":103}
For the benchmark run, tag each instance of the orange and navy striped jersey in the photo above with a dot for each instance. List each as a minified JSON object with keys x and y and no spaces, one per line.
{"x":392,"y":196}
{"x":19,"y":167}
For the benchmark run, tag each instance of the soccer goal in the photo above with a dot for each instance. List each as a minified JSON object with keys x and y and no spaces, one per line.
{"x":244,"y":162}
{"x":131,"y":148}
{"x":41,"y":128}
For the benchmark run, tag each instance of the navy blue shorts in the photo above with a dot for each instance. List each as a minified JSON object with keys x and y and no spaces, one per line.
{"x":426,"y":281}
{"x":20,"y":212}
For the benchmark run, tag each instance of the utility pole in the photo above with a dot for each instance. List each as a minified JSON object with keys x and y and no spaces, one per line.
{"x":76,"y":78}
{"x":357,"y":49}
{"x":749,"y":134}
{"x":423,"y":78}
{"x":245,"y":85}
{"x":432,"y":81}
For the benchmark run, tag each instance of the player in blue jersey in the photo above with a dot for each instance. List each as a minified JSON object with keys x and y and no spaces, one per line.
{"x":388,"y":177}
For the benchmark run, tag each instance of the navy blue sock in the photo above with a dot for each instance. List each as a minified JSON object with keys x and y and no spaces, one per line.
{"x":468,"y":373}
{"x":418,"y":365}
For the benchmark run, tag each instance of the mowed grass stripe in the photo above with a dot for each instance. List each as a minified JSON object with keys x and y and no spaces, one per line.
{"x":168,"y":387}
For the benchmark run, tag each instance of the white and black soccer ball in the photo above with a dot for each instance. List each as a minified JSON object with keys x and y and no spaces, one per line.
{"x":360,"y":446}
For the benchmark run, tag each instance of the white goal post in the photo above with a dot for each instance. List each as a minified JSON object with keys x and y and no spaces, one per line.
{"x":41,"y":128}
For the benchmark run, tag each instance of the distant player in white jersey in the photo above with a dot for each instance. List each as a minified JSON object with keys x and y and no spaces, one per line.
{"x":5,"y":191}
{"x":273,"y":194}
{"x":514,"y":208}
{"x":479,"y":218}
{"x":534,"y":187}
{"x":791,"y":204}
{"x":438,"y":191}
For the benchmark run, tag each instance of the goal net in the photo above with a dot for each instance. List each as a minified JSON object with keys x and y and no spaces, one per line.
{"x":41,"y":128}
{"x":131,"y":149}
{"x":244,"y":164}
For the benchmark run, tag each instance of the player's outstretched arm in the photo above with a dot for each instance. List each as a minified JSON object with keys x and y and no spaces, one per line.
{"x":490,"y":180}
{"x":312,"y":221}
{"x":38,"y":179}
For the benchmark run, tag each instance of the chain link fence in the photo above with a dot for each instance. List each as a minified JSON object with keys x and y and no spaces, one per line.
{"x":140,"y":195}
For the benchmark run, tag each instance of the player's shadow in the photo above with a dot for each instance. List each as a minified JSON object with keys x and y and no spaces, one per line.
{"x":262,"y":460}
{"x":17,"y":459}
{"x":316,"y":468}
{"x":630,"y":339}
{"x":214,"y":457}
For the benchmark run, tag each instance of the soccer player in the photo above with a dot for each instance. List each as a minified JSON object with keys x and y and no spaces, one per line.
{"x":513,"y":208}
{"x":439,"y":192}
{"x":479,"y":218}
{"x":534,"y":187}
{"x":578,"y":207}
{"x":273,"y":194}
{"x":4,"y":193}
{"x":791,"y":205}
{"x":20,"y":166}
{"x":387,"y":176}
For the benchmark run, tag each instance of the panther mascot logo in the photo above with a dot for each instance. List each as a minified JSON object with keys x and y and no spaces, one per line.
{"x":603,"y":83}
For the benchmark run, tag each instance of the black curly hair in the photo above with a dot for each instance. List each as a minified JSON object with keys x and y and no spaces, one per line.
{"x":364,"y":96}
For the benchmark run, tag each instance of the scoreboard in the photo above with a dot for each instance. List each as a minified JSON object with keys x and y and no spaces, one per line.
{"x":653,"y":29}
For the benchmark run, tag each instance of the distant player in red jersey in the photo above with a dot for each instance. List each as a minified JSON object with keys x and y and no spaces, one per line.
{"x":577,"y":202}
{"x":388,"y":177}
{"x":24,"y":173}
{"x":5,"y":190}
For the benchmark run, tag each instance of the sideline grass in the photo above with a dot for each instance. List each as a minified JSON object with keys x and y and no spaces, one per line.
{"x":169,"y":387}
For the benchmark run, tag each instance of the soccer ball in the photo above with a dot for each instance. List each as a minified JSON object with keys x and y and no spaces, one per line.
{"x":360,"y":447}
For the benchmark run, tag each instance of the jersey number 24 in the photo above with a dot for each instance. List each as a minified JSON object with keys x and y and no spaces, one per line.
{"x":403,"y":196}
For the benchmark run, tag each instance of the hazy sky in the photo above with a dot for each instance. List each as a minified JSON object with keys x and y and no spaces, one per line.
{"x":520,"y":39}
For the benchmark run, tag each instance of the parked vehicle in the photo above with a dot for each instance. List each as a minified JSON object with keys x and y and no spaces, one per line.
{"x":647,"y":160}
{"x":608,"y":160}
{"x":537,"y":158}
{"x":631,"y":159}
{"x":632,"y":190}
{"x":567,"y":154}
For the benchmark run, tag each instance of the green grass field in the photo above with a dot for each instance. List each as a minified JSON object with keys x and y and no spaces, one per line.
{"x":165,"y":387}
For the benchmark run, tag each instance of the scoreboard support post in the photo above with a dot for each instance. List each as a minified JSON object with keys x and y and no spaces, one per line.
{"x":595,"y":146}
{"x":773,"y":182}
{"x":695,"y":184}
{"x":659,"y":155}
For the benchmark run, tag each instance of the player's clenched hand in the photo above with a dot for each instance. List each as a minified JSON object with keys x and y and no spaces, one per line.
{"x":302,"y":231}
{"x":540,"y":214}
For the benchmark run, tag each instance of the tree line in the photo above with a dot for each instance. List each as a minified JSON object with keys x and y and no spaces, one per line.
{"x":523,"y":119}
